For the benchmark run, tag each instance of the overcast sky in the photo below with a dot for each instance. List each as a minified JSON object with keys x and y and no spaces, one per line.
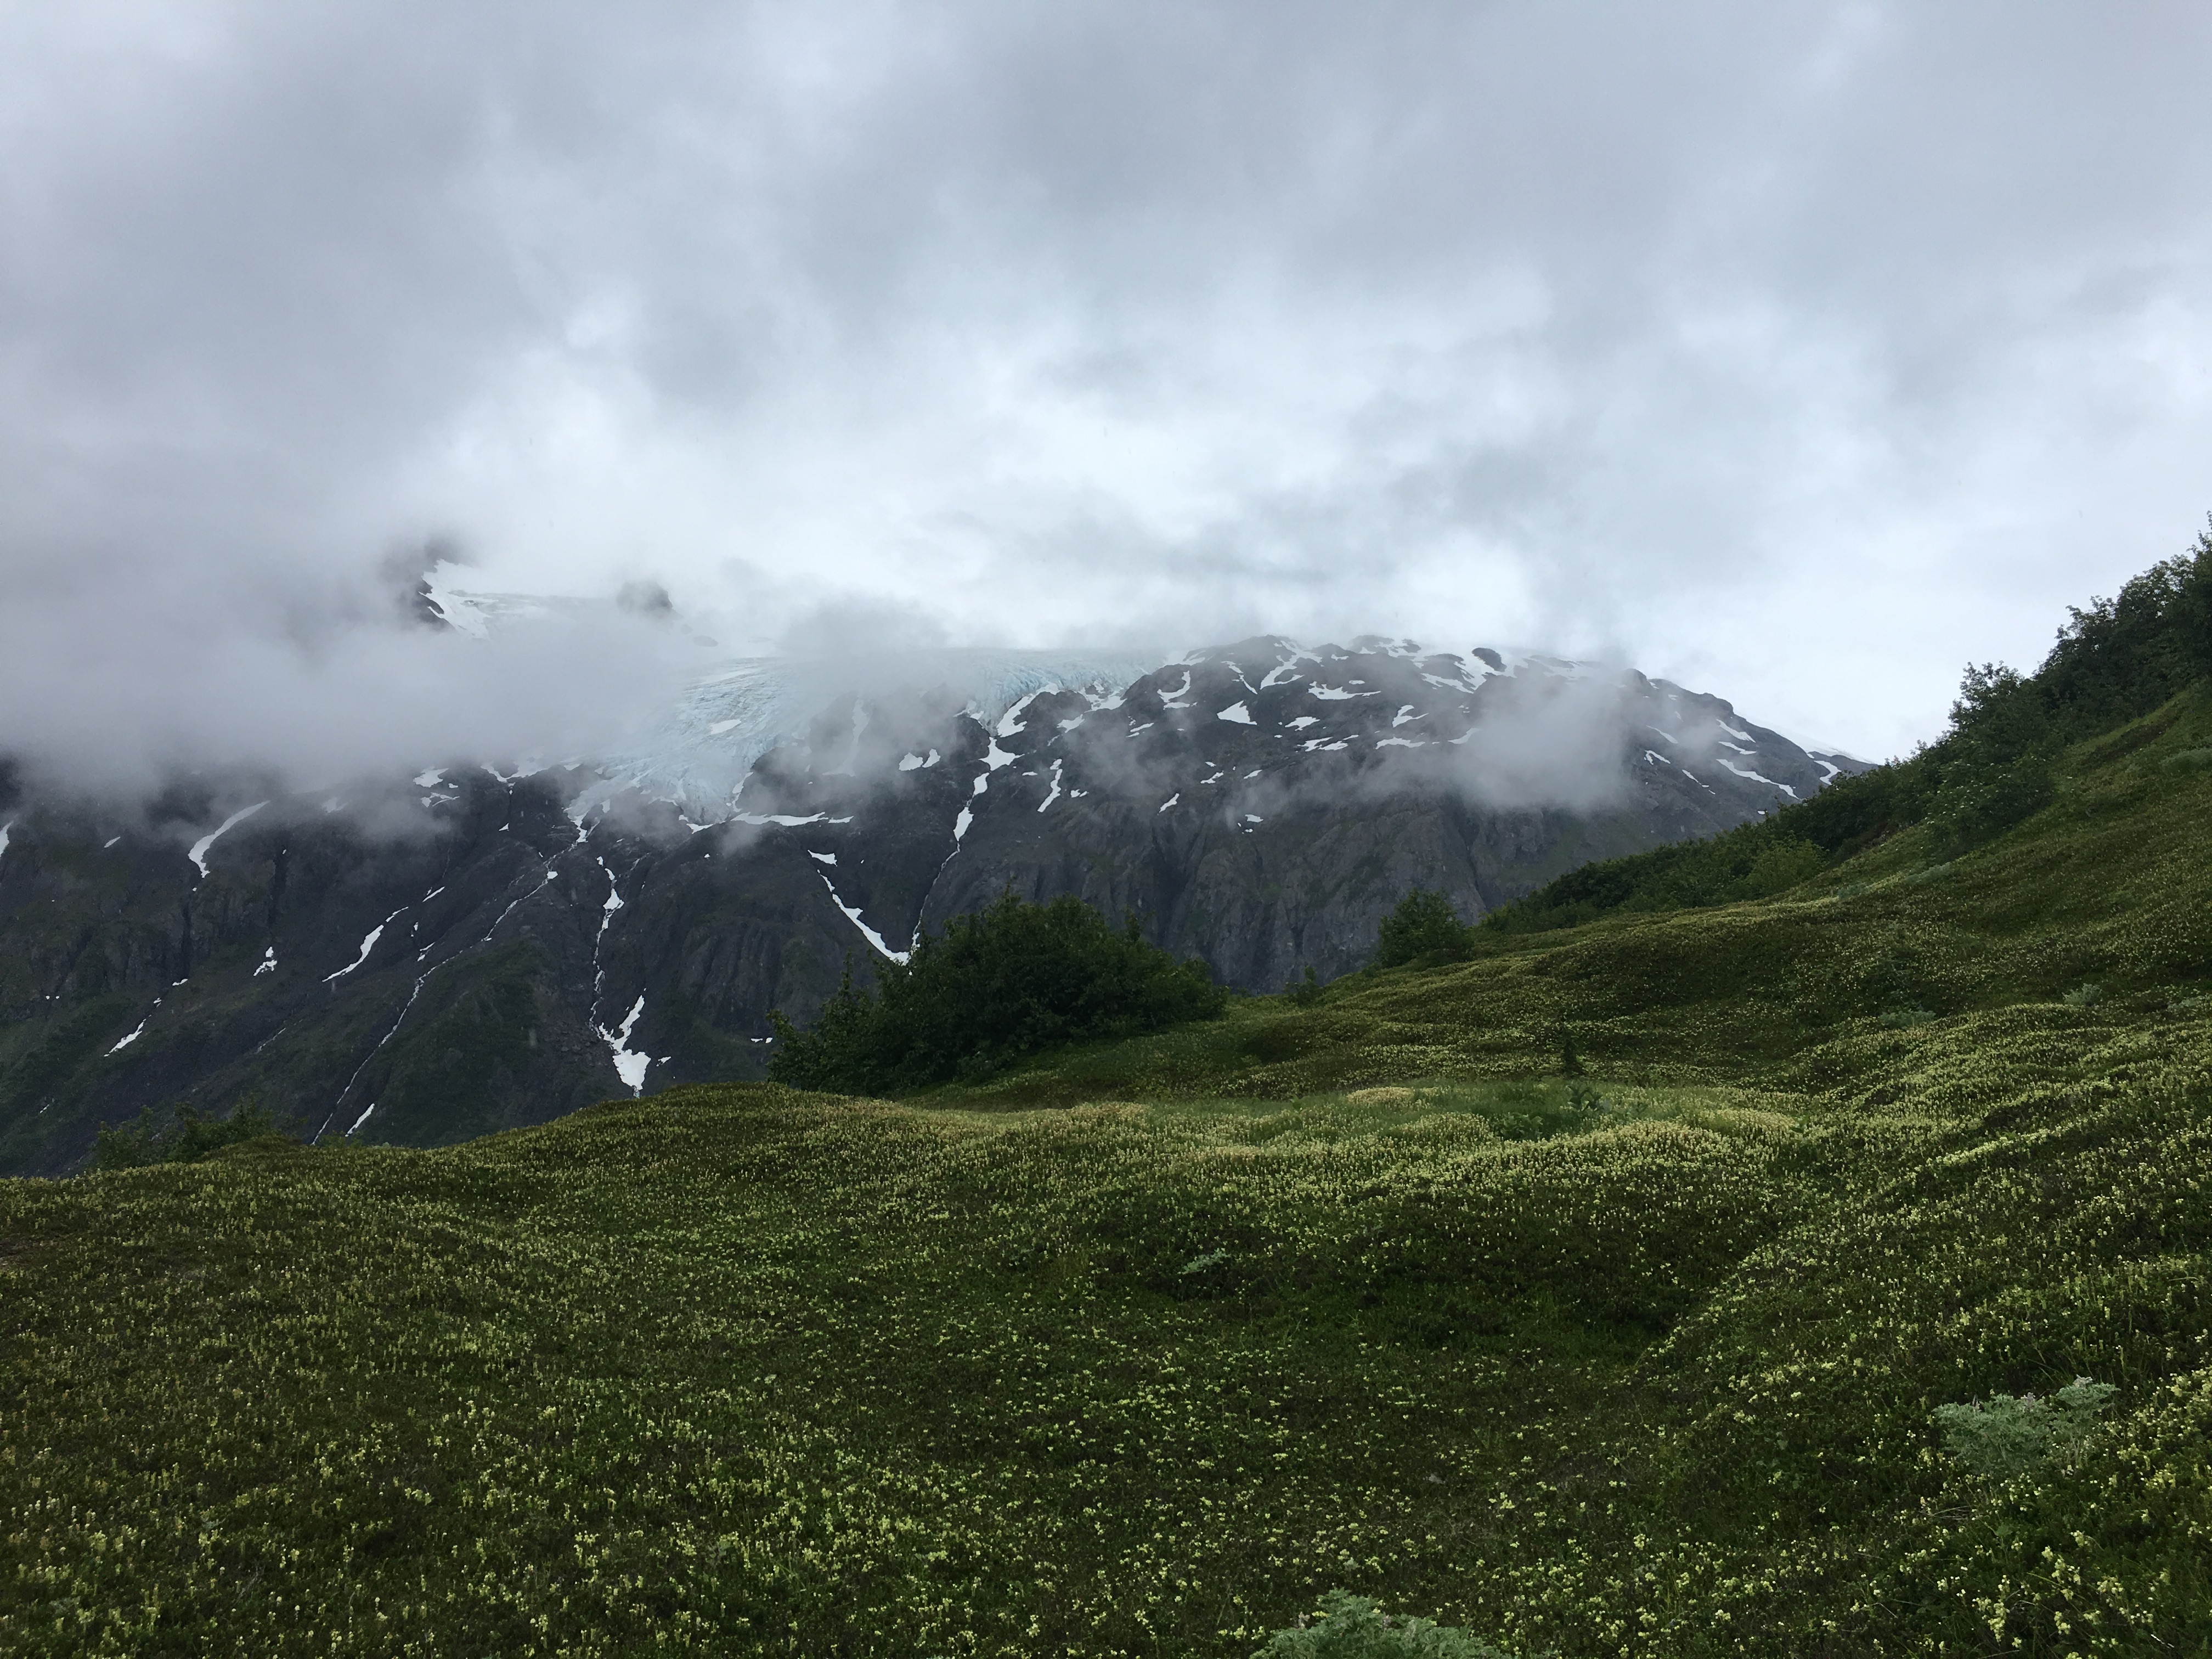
{"x":1798,"y":353}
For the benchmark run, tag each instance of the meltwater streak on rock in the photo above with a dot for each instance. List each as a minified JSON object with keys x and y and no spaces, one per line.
{"x":1265,"y":844}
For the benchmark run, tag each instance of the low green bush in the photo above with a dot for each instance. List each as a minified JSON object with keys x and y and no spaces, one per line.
{"x":1354,"y":1627}
{"x":2005,"y":1436}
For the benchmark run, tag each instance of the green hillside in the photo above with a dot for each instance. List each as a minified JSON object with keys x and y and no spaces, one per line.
{"x":1140,"y":1348}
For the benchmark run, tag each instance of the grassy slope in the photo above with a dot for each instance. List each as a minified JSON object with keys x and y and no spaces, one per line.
{"x":2111,"y":885}
{"x":742,"y":1370}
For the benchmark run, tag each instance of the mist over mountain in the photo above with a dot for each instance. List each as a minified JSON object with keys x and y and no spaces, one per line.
{"x":477,"y":937}
{"x":1655,"y":337}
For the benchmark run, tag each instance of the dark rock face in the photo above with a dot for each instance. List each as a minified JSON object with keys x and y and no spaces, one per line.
{"x":479,"y":952}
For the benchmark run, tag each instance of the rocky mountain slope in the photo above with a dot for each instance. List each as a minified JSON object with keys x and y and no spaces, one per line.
{"x":478,"y":948}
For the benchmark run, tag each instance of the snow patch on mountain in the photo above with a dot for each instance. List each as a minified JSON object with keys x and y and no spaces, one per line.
{"x":629,"y":1065}
{"x":700,"y":755}
{"x":199,"y":852}
{"x":852,"y":913}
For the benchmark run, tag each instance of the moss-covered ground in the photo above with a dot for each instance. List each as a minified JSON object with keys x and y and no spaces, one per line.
{"x":1139,"y":1350}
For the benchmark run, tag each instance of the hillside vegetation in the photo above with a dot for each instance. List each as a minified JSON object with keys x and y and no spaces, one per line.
{"x":1856,"y":1301}
{"x":2114,"y":662}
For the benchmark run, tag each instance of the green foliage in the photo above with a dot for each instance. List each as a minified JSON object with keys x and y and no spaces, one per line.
{"x":1354,"y":1627}
{"x":187,"y":1140}
{"x":1753,"y":860}
{"x":2126,"y":655}
{"x":750,"y":1370}
{"x":747,"y":1370}
{"x":1980,"y":798}
{"x":1780,"y":866}
{"x":1007,"y":982}
{"x":1423,"y":929}
{"x":2005,"y":1437}
{"x":1304,"y":992}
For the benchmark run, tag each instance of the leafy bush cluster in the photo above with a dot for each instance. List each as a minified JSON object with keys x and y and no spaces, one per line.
{"x":2114,"y":663}
{"x":187,"y":1141}
{"x":1006,"y":981}
{"x":2007,"y":1434}
{"x":1354,"y":1627}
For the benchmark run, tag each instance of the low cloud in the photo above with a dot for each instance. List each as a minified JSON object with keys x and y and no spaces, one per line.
{"x":1797,"y":353}
{"x":314,"y":684}
{"x":1545,"y":742}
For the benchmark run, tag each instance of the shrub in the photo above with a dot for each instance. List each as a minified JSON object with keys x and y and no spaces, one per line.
{"x":1353,"y":1628}
{"x":2083,"y":996}
{"x":1979,"y":799}
{"x":1305,"y":991}
{"x":2008,"y":1437}
{"x":1424,"y":928}
{"x":187,"y":1141}
{"x":1782,"y":866}
{"x":1005,"y":983}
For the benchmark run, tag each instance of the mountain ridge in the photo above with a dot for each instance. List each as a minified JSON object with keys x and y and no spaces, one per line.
{"x":471,"y":948}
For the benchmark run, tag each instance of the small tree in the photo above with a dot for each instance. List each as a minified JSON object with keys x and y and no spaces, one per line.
{"x":1424,"y":928}
{"x":1006,"y":981}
